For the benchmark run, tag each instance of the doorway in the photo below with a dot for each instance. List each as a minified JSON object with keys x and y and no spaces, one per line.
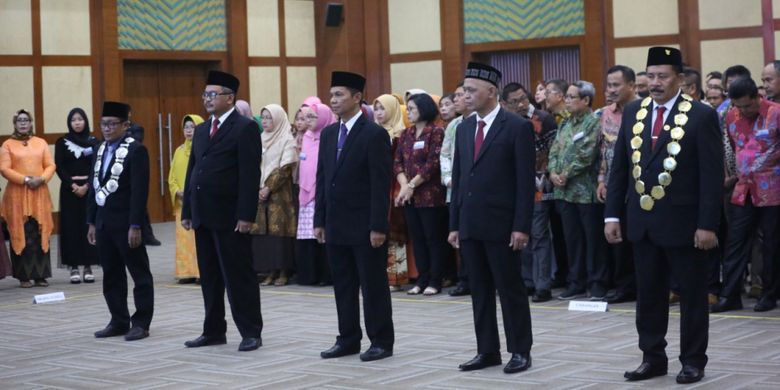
{"x":161,"y":93}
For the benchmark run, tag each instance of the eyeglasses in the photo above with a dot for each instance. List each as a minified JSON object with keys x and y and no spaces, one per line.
{"x":311,"y":117}
{"x":23,"y":120}
{"x":110,"y":125}
{"x":571,"y":97}
{"x":517,"y":101}
{"x":210,"y":95}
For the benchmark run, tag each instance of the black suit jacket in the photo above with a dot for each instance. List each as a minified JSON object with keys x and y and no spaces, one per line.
{"x":353,"y":193}
{"x":493,"y":195}
{"x":223,"y":174}
{"x":693,"y":199}
{"x":126,"y":206}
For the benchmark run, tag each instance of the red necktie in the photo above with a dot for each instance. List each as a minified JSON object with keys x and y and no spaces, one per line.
{"x":658,"y":124}
{"x":479,"y":138}
{"x":214,"y":127}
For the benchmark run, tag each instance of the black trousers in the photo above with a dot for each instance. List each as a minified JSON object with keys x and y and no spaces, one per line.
{"x":585,"y":243}
{"x":688,"y":266}
{"x":494,"y":266}
{"x":558,"y":245}
{"x":116,"y":255}
{"x":311,"y":263}
{"x":623,"y":273}
{"x":742,"y":224}
{"x":362,"y":269}
{"x":225,"y":263}
{"x":428,"y":231}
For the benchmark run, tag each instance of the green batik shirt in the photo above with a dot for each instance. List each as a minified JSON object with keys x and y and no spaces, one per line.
{"x":575,"y":154}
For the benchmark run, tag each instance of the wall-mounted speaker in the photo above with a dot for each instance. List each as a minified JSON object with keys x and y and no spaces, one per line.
{"x":333,"y":12}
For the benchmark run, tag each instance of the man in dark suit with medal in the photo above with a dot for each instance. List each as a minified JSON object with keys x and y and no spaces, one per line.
{"x":220,"y":203}
{"x":491,"y":215}
{"x":352,"y":200}
{"x":116,"y":211}
{"x":668,"y":173}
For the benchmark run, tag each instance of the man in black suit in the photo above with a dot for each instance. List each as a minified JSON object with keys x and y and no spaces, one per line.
{"x":115,"y":212}
{"x":354,"y":173}
{"x":491,"y":215}
{"x":671,"y":223}
{"x":220,"y":203}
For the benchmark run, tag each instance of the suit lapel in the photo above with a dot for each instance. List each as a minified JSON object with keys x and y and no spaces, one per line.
{"x":495,"y":128}
{"x":647,"y":138}
{"x":222,"y":131}
{"x":471,"y":131}
{"x":351,"y":136}
{"x":665,"y":136}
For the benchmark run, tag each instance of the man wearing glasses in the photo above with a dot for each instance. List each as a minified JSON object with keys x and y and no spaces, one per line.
{"x":220,"y":203}
{"x":116,"y":210}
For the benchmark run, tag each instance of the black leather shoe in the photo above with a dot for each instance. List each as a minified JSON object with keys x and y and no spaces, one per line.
{"x":518,"y":363}
{"x":620,"y":297}
{"x":482,"y":360}
{"x":151,"y":241}
{"x":250,"y":344}
{"x":689,"y":374}
{"x":338,"y":350}
{"x":460,"y":291}
{"x":376,"y":353}
{"x":203,"y":341}
{"x":136,"y":333}
{"x":110,"y":331}
{"x":541,"y":296}
{"x":645,"y":371}
{"x":765,"y":304}
{"x":726,"y":304}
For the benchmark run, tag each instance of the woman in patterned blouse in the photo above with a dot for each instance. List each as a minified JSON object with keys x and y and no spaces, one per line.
{"x":417,"y":170}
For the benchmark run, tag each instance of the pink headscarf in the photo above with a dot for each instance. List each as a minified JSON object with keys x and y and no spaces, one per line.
{"x":311,"y":100}
{"x":310,"y":153}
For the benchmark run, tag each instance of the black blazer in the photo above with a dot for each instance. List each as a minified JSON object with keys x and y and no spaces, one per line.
{"x":693,"y":199}
{"x":126,"y":206}
{"x":353,"y":194}
{"x":223,"y":174}
{"x":494,"y":195}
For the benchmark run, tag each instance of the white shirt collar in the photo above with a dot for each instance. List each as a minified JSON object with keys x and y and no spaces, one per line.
{"x":224,"y":116}
{"x":490,"y":116}
{"x":351,"y":121}
{"x":669,"y":104}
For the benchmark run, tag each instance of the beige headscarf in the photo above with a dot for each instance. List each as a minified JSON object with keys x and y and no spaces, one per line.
{"x":278,"y":143}
{"x":395,"y":122}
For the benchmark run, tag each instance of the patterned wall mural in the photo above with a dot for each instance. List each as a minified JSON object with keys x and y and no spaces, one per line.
{"x":508,"y":20}
{"x":184,"y":25}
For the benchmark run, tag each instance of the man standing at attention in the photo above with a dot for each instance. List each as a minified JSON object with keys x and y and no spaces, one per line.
{"x":491,"y":214}
{"x":354,"y":173}
{"x":220,"y":203}
{"x":668,"y":173}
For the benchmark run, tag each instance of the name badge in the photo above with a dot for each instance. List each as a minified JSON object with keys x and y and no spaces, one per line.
{"x":302,"y":156}
{"x":577,"y":136}
{"x":419,"y":145}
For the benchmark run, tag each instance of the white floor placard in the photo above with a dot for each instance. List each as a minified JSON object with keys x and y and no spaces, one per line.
{"x":49,"y":298}
{"x":587,"y":306}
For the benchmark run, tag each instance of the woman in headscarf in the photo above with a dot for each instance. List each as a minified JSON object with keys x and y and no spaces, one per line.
{"x":275,"y":225}
{"x":311,"y":263}
{"x":73,"y":157}
{"x":387,"y":112}
{"x":27,"y":164}
{"x":186,"y":270}
{"x":243,"y":108}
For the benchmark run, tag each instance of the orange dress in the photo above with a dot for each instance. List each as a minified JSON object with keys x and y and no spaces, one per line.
{"x":20,"y":202}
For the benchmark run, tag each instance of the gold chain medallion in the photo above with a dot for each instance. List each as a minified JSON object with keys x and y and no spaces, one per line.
{"x":647,"y":201}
